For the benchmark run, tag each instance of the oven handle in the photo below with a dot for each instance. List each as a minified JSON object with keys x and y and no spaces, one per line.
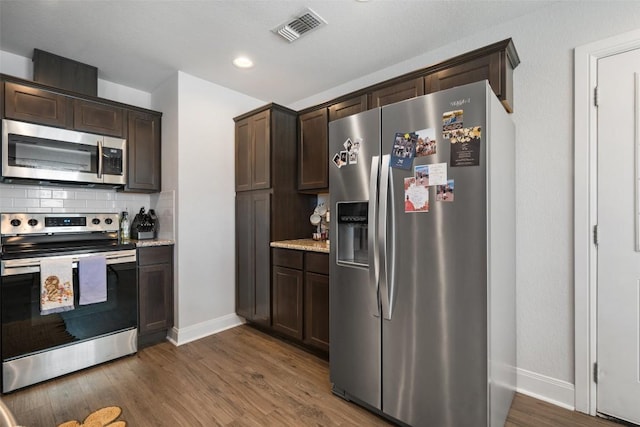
{"x":14,"y":267}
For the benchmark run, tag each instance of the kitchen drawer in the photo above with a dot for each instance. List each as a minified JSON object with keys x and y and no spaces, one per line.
{"x":287,"y":258}
{"x":317,"y":262}
{"x":155,"y":255}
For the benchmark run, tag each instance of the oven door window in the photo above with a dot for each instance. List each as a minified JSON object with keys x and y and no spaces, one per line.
{"x":25,"y":331}
{"x":49,"y":154}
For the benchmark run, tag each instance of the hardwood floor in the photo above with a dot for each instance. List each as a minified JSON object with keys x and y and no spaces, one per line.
{"x":239,"y":377}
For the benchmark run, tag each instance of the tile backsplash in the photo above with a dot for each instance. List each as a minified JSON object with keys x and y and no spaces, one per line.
{"x":33,"y":198}
{"x":28,"y":198}
{"x":164,"y":205}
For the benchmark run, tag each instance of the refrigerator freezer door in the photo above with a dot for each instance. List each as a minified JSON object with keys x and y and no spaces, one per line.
{"x":355,"y":348}
{"x":435,"y":342}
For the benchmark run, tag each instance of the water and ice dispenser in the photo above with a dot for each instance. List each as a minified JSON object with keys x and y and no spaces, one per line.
{"x":353,"y":233}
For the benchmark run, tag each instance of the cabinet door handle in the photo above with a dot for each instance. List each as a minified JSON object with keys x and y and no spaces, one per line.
{"x":99,"y":159}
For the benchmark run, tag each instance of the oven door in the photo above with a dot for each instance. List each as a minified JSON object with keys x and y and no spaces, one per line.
{"x":29,"y":338}
{"x":31,"y":151}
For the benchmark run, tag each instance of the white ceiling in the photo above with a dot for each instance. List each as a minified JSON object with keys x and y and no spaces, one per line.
{"x":140,"y":43}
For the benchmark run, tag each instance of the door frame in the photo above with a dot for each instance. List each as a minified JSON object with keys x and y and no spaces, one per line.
{"x":585,"y":209}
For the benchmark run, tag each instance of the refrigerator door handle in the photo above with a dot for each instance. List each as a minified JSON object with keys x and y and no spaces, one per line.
{"x":390,"y":244}
{"x":372,"y":233}
{"x":382,"y":236}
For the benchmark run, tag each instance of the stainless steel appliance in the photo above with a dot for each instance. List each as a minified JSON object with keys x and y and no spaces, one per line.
{"x":422,"y":276}
{"x":49,"y":154}
{"x":38,"y":347}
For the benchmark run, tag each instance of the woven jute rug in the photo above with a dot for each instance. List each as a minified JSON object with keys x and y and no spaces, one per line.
{"x":103,"y":417}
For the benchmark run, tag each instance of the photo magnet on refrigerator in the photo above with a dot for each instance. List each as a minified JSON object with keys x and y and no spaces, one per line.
{"x":404,"y":150}
{"x":337,"y":160}
{"x":444,"y":193}
{"x":349,"y":156}
{"x":465,"y":147}
{"x":426,"y":143}
{"x":416,"y":196}
{"x":437,"y":174}
{"x":451,"y":121}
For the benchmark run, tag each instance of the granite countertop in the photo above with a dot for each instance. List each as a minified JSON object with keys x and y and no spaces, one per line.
{"x":152,"y":242}
{"x":303,"y":245}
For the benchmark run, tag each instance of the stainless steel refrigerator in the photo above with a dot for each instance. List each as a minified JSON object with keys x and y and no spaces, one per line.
{"x":422,"y":272}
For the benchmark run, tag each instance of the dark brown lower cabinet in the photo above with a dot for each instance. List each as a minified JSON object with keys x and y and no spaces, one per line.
{"x":316,"y":310}
{"x":300,"y":305}
{"x":155,"y":293}
{"x":253,"y":264}
{"x":287,"y":301}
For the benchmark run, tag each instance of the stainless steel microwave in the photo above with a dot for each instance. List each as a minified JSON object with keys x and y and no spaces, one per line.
{"x":45,"y":153}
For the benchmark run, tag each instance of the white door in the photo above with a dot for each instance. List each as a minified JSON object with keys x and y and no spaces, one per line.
{"x":618,"y":306}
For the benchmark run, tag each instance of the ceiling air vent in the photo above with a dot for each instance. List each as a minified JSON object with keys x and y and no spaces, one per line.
{"x":306,"y":21}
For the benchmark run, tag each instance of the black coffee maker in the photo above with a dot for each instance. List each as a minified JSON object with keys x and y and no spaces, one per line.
{"x":144,"y":225}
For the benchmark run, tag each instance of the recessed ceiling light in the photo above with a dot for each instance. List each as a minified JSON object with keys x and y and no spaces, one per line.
{"x":243,"y":62}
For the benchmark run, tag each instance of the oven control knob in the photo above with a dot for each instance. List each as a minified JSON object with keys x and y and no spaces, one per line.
{"x":108,"y":221}
{"x":32,"y":222}
{"x":95,"y":221}
{"x":16,"y":222}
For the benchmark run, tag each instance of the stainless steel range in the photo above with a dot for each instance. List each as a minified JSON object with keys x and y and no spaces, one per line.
{"x":48,"y":329}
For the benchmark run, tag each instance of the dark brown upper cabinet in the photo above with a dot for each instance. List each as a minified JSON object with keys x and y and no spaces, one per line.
{"x":253,"y":152}
{"x":30,"y":104}
{"x":34,"y":102}
{"x":243,"y":155}
{"x":397,"y":92}
{"x":261,"y":149}
{"x":348,"y":107}
{"x":93,"y":117}
{"x":494,"y":63}
{"x":313,"y":151}
{"x":143,"y":148}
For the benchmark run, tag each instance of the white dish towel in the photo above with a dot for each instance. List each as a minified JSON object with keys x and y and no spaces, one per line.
{"x":56,"y":285}
{"x":92,"y":275}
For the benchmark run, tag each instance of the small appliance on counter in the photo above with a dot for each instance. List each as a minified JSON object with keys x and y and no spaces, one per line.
{"x":144,"y":225}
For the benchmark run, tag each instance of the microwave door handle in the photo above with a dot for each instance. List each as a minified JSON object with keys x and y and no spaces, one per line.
{"x":99,"y":159}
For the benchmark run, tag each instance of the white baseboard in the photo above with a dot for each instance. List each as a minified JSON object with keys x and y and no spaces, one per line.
{"x":200,"y":330}
{"x":552,"y":390}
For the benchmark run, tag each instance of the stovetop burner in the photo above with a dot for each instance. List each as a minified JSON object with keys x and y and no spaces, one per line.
{"x":27,"y":235}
